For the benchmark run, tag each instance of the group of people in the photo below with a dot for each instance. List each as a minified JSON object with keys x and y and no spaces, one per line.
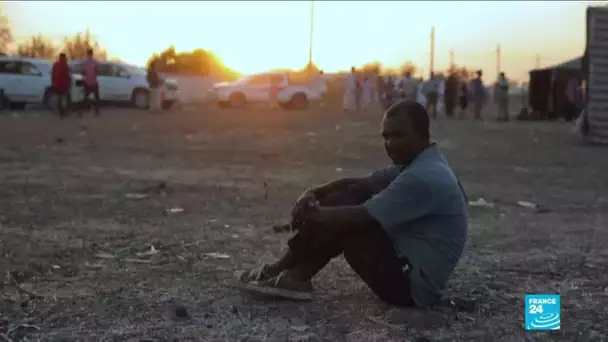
{"x":435,"y":94}
{"x":61,"y":82}
{"x":358,"y":91}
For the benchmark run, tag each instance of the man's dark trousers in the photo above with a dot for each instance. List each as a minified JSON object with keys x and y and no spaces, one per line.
{"x":368,"y":250}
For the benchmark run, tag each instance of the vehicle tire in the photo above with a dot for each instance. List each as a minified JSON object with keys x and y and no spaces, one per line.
{"x":50,"y":99}
{"x":223,"y":104}
{"x":3,"y":101}
{"x":167,"y":104}
{"x":299,"y":101}
{"x":238,"y":100}
{"x":140,"y":99}
{"x":17,"y":105}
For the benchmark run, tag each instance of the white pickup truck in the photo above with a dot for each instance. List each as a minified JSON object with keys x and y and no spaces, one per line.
{"x":256,"y":88}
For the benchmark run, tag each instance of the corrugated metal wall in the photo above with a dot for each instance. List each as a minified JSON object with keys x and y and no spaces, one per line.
{"x":597,"y":49}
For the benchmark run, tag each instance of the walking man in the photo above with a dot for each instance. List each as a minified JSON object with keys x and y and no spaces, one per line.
{"x":478,"y":95}
{"x":402,"y":229}
{"x":350,"y":91}
{"x":154,"y":102}
{"x":91,"y":87}
{"x":501,"y":94}
{"x":61,"y":82}
{"x":431,"y":92}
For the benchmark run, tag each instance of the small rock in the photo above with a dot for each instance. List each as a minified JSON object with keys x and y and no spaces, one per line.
{"x":181,"y":312}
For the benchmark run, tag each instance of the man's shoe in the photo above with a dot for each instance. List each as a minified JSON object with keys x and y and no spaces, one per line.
{"x":283,"y":287}
{"x":261,"y":273}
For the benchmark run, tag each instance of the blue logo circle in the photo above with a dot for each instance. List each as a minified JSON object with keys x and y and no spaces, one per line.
{"x":549,"y":321}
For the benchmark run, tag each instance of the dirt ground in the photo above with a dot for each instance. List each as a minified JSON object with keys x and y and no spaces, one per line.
{"x":112,"y":227}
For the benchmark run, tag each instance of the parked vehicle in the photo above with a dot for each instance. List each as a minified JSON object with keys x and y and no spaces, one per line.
{"x":255,"y":88}
{"x":124,"y":83}
{"x":26,"y":81}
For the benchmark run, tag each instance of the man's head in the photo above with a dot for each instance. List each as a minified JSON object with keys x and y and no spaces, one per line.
{"x":353,"y":70}
{"x":408,"y":74}
{"x":90,"y":53}
{"x":502,"y":75}
{"x":432,"y":75}
{"x":405,"y":129}
{"x":152,"y":65}
{"x":321,"y":72}
{"x":479,"y":73}
{"x":63,"y":57}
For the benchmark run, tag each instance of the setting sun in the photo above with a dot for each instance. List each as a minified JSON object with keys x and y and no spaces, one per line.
{"x":257,"y":36}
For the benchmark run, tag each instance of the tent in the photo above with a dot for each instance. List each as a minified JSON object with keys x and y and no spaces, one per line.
{"x":548,"y":85}
{"x":596,"y":73}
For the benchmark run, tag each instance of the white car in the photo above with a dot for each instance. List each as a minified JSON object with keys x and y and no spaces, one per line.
{"x":255,"y":88}
{"x":28,"y":81}
{"x":119,"y":82}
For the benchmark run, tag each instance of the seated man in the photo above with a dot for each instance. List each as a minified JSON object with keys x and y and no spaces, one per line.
{"x":402,"y":229}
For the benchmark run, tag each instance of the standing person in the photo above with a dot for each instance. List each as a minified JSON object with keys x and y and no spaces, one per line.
{"x":571,"y":99}
{"x":431,"y":92}
{"x":389,"y":92}
{"x":358,"y":92}
{"x":451,"y":94}
{"x":61,"y":82}
{"x":380,"y":88}
{"x":367,"y":92}
{"x":154,"y":86}
{"x":408,"y":86}
{"x":350,"y":91}
{"x":91,"y":87}
{"x":320,"y":84}
{"x":274,"y":90}
{"x":478,"y":94}
{"x":463,"y":99}
{"x":501,"y":94}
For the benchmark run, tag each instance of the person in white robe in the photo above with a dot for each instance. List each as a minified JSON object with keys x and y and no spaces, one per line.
{"x":368,"y":92}
{"x":350,"y":89}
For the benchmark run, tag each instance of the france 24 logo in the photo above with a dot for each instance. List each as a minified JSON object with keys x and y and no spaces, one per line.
{"x":542,"y":312}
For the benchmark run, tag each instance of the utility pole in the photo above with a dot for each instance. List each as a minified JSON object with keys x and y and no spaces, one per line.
{"x":537,"y":61}
{"x":312,"y":21}
{"x":432,"y":48}
{"x":452,"y":60}
{"x":498,"y":60}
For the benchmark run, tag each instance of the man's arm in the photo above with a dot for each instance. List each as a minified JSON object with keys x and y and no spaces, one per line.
{"x":343,"y":217}
{"x":323,"y":190}
{"x":406,"y":199}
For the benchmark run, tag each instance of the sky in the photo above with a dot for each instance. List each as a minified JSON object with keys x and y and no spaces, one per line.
{"x":254,"y":36}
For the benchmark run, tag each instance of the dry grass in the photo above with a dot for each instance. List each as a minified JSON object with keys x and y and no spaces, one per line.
{"x":76,"y":247}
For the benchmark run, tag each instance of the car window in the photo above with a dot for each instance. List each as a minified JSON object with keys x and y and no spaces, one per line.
{"x":27,"y":68}
{"x":259,"y":79}
{"x":8,"y":67}
{"x":105,"y":69}
{"x":77,"y":68}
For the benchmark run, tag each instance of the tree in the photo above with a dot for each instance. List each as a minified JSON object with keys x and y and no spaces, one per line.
{"x":6,"y":35}
{"x":197,"y":62}
{"x":406,"y":67}
{"x":372,"y":68}
{"x":76,"y":47}
{"x":37,"y":47}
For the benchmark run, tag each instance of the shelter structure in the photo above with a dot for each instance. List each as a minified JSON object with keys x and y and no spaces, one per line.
{"x":547,"y":88}
{"x":595,"y":65}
